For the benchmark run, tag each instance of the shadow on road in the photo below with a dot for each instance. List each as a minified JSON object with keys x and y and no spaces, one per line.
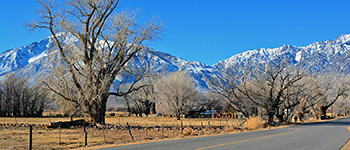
{"x":337,"y":122}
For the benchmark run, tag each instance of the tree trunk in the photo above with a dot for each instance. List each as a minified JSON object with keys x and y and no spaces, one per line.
{"x":300,"y":116}
{"x":128,"y":105}
{"x":271,"y":114}
{"x":280,"y":118}
{"x":153,"y":108}
{"x":178,"y":116}
{"x":323,"y":112}
{"x":148,"y":106}
{"x":67,"y":124}
{"x":315,"y":112}
{"x":71,"y":116}
{"x":140,"y":113}
{"x":97,"y":116}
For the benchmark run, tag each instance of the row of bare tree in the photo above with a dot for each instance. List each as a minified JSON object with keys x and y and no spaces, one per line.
{"x":277,"y":89}
{"x":171,"y":94}
{"x":280,"y":89}
{"x":19,"y":98}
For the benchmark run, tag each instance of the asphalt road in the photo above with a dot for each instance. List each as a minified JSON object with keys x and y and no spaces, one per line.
{"x":330,"y":135}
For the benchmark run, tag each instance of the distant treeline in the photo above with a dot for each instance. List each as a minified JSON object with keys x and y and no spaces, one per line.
{"x":19,"y":98}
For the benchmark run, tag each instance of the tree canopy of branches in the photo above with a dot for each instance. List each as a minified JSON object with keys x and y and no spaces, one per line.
{"x":331,"y":88}
{"x":211,"y":101}
{"x":176,"y":93}
{"x":264,"y":86}
{"x":227,"y":85}
{"x":141,"y":92}
{"x":269,"y":85}
{"x":103,"y":42}
{"x":19,"y":98}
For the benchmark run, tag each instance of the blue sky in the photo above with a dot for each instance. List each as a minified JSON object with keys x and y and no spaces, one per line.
{"x":205,"y":30}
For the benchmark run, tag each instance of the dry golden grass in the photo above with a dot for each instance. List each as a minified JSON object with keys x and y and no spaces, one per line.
{"x":254,"y":123}
{"x":18,"y":137}
{"x":169,"y":121}
{"x":347,"y":145}
{"x":159,"y":128}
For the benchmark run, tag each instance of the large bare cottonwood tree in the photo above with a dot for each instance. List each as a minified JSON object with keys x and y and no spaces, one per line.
{"x":262,"y":86}
{"x":332,"y":87}
{"x":227,"y":85}
{"x":95,"y":42}
{"x":269,"y":85}
{"x":176,"y":93}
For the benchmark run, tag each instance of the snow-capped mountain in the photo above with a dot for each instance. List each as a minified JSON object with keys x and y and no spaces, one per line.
{"x":15,"y":59}
{"x":316,"y":57}
{"x":165,"y":63}
{"x":35,"y":59}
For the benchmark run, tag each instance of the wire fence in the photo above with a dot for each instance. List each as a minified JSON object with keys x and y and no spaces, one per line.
{"x":37,"y":136}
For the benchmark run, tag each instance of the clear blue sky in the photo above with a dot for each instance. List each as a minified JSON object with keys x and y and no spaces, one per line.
{"x":205,"y":30}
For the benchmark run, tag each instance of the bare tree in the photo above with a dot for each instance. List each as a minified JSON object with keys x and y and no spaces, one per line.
{"x":269,"y":85}
{"x":228,"y":85}
{"x":144,"y":99}
{"x":175,"y":93}
{"x":212,"y":101}
{"x":138,"y":94}
{"x":103,"y":43}
{"x":265,"y":86}
{"x":342,"y":107}
{"x":332,"y":87}
{"x":307,"y":96}
{"x":67,"y":108}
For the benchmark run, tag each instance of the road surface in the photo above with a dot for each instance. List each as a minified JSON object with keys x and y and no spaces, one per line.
{"x":329,"y":135}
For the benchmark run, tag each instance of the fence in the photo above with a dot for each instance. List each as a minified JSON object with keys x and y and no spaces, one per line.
{"x":21,"y":136}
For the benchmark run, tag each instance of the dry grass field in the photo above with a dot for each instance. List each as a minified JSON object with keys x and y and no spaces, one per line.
{"x":14,"y":134}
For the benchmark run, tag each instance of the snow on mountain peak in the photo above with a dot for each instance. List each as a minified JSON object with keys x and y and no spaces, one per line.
{"x":35,"y":58}
{"x":344,"y":38}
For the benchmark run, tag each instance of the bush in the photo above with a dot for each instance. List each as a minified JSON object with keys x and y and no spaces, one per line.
{"x":254,"y":123}
{"x":187,"y":131}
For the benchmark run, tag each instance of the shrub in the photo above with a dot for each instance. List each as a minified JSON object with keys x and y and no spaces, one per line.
{"x":187,"y":131}
{"x":254,"y":123}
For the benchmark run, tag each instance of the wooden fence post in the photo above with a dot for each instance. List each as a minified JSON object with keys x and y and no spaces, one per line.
{"x":182,"y":128}
{"x":30,"y":137}
{"x":103,"y":131}
{"x":208,"y":123}
{"x":85,"y":133}
{"x":163,"y":130}
{"x":59,"y":135}
{"x":173,"y":129}
{"x":130,"y":131}
{"x":146,"y":130}
{"x":202,"y":127}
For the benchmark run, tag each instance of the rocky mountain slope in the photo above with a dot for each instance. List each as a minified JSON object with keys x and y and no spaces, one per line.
{"x":34,"y":60}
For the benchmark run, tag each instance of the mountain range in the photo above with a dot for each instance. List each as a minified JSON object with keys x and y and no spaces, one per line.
{"x":34,"y":60}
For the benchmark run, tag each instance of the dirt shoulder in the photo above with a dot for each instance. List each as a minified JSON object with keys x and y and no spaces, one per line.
{"x":347,"y":145}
